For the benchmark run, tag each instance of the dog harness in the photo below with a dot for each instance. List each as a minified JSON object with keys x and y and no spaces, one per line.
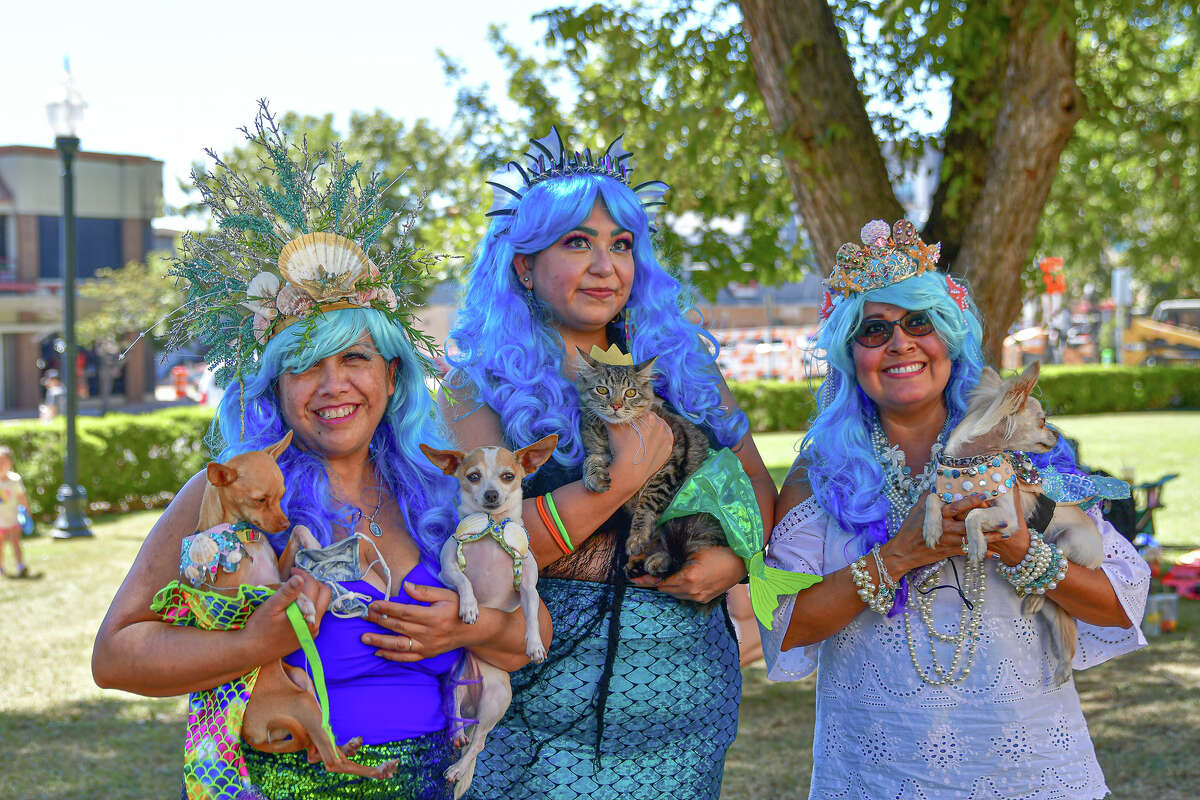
{"x":220,"y":547}
{"x":511,"y":536}
{"x":991,"y":474}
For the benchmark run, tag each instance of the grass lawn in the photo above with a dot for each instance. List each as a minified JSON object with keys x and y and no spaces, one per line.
{"x":65,"y":739}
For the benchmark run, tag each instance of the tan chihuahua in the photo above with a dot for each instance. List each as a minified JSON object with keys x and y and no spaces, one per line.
{"x":1001,"y":418}
{"x":488,"y":562}
{"x":282,"y":714}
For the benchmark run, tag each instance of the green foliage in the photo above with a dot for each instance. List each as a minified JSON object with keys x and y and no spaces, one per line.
{"x":679,"y":85}
{"x":129,"y":300}
{"x":126,"y":461}
{"x":780,"y":406}
{"x":1097,"y":389}
{"x":776,"y":405}
{"x":1128,"y":188}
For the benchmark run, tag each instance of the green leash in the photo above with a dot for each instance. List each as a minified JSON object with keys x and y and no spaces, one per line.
{"x":314,"y":661}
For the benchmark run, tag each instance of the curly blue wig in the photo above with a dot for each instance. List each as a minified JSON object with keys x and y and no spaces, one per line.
{"x":425,"y":495}
{"x":519,"y":373}
{"x":846,"y":479}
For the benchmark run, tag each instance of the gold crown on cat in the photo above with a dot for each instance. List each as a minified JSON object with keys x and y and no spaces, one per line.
{"x":613,"y":355}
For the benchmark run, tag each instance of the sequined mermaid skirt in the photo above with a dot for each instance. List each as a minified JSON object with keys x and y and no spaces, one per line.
{"x":669,"y":715}
{"x":423,"y":759}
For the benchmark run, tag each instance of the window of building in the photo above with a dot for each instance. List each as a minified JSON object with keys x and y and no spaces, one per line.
{"x":98,"y":245}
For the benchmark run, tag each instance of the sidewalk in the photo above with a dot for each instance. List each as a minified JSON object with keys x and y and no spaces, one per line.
{"x":164,"y":397}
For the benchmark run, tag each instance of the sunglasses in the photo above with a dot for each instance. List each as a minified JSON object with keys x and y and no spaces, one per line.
{"x":877,"y":332}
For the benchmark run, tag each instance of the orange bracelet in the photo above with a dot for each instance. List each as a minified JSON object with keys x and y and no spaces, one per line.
{"x":540,"y":504}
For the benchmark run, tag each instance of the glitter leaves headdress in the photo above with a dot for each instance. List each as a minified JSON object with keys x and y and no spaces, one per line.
{"x":547,"y":158}
{"x":888,"y":255}
{"x":287,"y":250}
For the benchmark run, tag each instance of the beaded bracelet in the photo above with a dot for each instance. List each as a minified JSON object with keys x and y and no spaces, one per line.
{"x":1054,"y":574}
{"x":1036,"y":559}
{"x":880,"y":601}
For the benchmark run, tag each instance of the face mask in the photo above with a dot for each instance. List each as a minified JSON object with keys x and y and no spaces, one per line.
{"x":339,"y":563}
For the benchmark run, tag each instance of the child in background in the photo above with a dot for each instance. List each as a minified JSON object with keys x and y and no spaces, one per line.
{"x":12,"y":496}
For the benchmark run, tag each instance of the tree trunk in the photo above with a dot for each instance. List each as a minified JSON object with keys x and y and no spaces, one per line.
{"x":996,"y":176}
{"x":830,"y":152}
{"x":1040,"y":104}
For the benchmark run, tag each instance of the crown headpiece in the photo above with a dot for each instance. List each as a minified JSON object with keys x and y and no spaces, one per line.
{"x":613,"y":356}
{"x":547,"y":159}
{"x":287,"y":250}
{"x":888,"y":254}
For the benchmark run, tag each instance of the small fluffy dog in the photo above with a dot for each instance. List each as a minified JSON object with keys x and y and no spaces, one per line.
{"x":1001,"y":418}
{"x":488,"y":562}
{"x":282,"y":714}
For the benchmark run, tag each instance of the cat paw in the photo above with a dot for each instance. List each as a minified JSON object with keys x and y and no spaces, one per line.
{"x":597,"y":479}
{"x":658,"y":565}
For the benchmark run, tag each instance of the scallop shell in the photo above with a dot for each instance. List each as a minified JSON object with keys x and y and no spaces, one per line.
{"x":326,"y":265}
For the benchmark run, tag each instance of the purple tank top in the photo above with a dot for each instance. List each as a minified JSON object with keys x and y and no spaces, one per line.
{"x":372,"y":697}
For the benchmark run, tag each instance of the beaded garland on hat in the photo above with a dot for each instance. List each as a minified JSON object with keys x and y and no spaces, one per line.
{"x":304,"y":236}
{"x":547,"y":158}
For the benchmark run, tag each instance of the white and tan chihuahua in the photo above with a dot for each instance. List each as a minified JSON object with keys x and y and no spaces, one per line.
{"x":1002,"y":418}
{"x":489,"y":563}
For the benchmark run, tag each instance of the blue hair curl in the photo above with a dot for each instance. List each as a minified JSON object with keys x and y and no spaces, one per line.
{"x":425,"y":495}
{"x":519,"y":373}
{"x":846,"y":480}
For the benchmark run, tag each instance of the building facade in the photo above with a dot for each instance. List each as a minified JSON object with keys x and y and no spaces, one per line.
{"x":116,"y":197}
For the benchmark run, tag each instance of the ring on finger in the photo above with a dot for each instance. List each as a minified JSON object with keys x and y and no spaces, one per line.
{"x":410,"y":644}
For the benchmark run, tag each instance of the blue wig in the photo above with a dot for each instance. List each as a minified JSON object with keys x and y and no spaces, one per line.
{"x":425,"y":495}
{"x":846,"y":479}
{"x":519,"y":373}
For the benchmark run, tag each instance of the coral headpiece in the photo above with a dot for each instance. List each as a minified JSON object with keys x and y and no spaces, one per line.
{"x":302,"y":236}
{"x":888,"y":255}
{"x":547,"y":158}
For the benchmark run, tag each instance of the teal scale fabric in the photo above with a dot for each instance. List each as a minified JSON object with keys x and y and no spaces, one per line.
{"x":669,"y":717}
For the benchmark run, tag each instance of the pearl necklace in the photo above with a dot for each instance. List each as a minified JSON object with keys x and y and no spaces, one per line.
{"x":902,"y":489}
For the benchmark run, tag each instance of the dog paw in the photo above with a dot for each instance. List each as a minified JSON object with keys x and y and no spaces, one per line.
{"x":387,"y":769}
{"x":535,"y":650}
{"x":597,"y":479}
{"x":976,"y":549}
{"x":307,"y":610}
{"x":1032,"y":604}
{"x":468,"y":611}
{"x":351,"y":747}
{"x":456,"y":770}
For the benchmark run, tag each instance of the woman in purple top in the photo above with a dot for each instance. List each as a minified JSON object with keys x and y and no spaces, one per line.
{"x":348,"y":381}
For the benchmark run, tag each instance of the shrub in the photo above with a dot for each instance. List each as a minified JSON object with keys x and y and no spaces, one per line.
{"x":125,"y":460}
{"x":1089,"y":389}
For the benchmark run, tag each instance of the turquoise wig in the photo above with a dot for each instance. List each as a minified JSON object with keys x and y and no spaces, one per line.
{"x":425,"y":495}
{"x":846,"y":480}
{"x":519,"y":373}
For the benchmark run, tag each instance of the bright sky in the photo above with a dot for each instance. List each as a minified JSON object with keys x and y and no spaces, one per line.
{"x":166,"y":79}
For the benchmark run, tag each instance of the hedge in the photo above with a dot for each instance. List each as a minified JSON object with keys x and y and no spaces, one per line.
{"x":126,"y":461}
{"x":1090,"y":389}
{"x":129,"y":461}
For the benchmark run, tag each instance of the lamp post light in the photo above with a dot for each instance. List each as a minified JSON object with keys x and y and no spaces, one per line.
{"x":65,"y":115}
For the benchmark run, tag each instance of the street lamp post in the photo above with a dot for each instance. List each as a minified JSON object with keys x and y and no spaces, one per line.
{"x":65,"y":116}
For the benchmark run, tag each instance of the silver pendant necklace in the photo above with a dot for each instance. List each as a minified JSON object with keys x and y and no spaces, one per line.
{"x":374,"y":527}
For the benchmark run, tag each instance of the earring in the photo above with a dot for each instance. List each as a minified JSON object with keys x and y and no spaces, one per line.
{"x":525,"y":279}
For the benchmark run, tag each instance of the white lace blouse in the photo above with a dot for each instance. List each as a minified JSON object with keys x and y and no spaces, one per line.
{"x":1006,"y":731}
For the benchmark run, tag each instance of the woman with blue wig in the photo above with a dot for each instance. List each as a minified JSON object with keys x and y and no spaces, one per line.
{"x":930,"y":681}
{"x":638,"y":696}
{"x":303,"y":301}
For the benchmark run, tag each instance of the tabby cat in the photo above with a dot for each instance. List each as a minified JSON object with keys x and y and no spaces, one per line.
{"x":619,"y":394}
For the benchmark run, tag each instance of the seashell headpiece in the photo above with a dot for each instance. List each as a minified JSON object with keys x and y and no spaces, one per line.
{"x":287,"y":250}
{"x":888,"y":254}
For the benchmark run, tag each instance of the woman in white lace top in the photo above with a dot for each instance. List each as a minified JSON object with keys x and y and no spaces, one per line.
{"x":931,"y":683}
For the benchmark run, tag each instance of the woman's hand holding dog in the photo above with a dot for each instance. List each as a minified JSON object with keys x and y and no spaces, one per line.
{"x":268,"y":630}
{"x":907,"y":550}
